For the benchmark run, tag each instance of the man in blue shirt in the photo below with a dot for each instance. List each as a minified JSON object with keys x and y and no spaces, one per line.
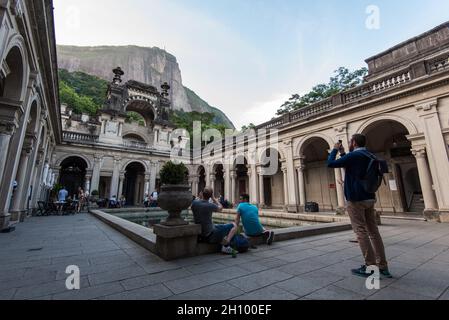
{"x":249,"y":214}
{"x":361,"y":204}
{"x":62,"y":195}
{"x":62,"y":199}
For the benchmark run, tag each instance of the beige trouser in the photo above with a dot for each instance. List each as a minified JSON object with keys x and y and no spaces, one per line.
{"x":364,"y":224}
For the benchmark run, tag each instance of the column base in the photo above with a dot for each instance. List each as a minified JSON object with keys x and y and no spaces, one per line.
{"x":292,"y":209}
{"x":4,"y":221}
{"x":435,"y":215}
{"x":341,"y":211}
{"x":18,"y":216}
{"x":177,"y":242}
{"x":444,"y":216}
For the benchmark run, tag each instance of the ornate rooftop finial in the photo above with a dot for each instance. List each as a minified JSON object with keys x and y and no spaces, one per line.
{"x":118,"y":72}
{"x":165,"y":87}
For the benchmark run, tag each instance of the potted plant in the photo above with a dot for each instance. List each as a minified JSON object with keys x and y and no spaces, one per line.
{"x":175,"y":195}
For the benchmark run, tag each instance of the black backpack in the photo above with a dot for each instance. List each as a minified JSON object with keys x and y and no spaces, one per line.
{"x":240,"y":243}
{"x":375,"y":172}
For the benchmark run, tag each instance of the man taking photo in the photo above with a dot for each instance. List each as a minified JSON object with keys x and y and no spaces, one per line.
{"x":361,"y":202}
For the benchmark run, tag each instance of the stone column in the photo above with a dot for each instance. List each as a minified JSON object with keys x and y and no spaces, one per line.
{"x":121,"y":182}
{"x":147,"y":184}
{"x":261,"y":188}
{"x":341,"y":206}
{"x":153,"y":175}
{"x":17,"y":205}
{"x":292,"y":195}
{"x":115,"y":178}
{"x":437,"y":153}
{"x":6,"y":132}
{"x":227,"y":179}
{"x":96,"y":173}
{"x":302,"y":187}
{"x":253,"y":181}
{"x":425,"y":178}
{"x":213,"y":179}
{"x":87,"y":179}
{"x":233,"y":186}
{"x":285,"y":173}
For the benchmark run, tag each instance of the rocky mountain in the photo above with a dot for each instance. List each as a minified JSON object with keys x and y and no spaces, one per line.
{"x":148,"y":65}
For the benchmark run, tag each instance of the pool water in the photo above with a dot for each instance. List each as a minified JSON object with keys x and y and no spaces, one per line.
{"x":150,"y":217}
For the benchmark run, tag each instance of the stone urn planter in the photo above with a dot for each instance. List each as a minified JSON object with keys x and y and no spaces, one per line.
{"x":175,"y":199}
{"x":175,"y":195}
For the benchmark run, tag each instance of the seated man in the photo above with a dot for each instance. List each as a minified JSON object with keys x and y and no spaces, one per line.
{"x":113,"y":202}
{"x":249,"y":214}
{"x":215,"y":234}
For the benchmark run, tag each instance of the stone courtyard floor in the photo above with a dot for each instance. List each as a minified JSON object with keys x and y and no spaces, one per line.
{"x":34,"y":259}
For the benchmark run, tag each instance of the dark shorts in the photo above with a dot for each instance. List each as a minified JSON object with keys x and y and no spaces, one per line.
{"x":220,"y":231}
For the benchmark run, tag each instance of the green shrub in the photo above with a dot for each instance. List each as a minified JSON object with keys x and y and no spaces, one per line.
{"x":172,"y":173}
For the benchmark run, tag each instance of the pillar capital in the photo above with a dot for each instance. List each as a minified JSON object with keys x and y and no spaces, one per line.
{"x":427,"y":107}
{"x":7,"y":128}
{"x":419,"y":152}
{"x":288,"y":142}
{"x":341,"y":128}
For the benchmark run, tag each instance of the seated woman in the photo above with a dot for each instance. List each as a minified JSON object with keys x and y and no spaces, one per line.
{"x":249,"y":214}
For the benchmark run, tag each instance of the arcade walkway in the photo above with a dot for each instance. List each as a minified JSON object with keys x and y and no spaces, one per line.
{"x":35,"y":256}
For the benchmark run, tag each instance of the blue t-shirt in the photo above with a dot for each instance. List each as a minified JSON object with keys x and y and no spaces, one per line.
{"x":63,"y":195}
{"x":250,"y":219}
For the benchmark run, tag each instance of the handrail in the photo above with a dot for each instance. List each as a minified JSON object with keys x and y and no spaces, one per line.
{"x":79,"y":137}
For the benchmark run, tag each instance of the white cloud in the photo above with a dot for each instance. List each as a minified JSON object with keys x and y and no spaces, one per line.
{"x":262,"y":111}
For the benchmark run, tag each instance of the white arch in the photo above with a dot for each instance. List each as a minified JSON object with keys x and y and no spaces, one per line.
{"x":279,"y":150}
{"x":137,"y":161}
{"x":131,"y":99}
{"x":300,"y":145}
{"x":17,"y":41}
{"x":36,"y":100}
{"x":130,"y":132}
{"x":198,"y":170}
{"x":66,"y":156}
{"x":407,"y":123}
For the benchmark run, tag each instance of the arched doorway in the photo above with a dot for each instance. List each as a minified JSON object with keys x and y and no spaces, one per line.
{"x":201,"y":179}
{"x":11,"y":80}
{"x":11,"y":88}
{"x":73,"y":174}
{"x":134,"y":140}
{"x":219,"y":180}
{"x":141,"y":111}
{"x":273,"y":185}
{"x":402,"y":193}
{"x":319,"y":180}
{"x":242,"y":178}
{"x":134,"y":184}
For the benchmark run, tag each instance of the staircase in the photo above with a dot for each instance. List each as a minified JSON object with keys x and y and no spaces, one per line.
{"x":417,"y":204}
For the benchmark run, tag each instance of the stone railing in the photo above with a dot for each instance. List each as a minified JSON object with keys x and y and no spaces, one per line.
{"x":310,"y":111}
{"x":439,"y":64}
{"x":377,"y":86}
{"x":79,"y":137}
{"x":136,"y":145}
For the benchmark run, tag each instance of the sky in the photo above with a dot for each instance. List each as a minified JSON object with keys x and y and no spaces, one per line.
{"x":247,"y":57}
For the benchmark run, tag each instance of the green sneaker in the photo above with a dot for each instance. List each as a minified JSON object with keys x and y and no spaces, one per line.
{"x":361,"y":272}
{"x":386,"y":274}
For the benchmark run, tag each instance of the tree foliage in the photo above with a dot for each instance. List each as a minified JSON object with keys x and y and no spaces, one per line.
{"x":185,"y":120}
{"x":342,"y":80}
